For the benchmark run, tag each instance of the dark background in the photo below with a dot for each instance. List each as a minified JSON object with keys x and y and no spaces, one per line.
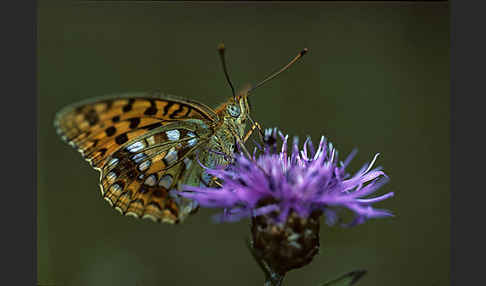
{"x":376,"y":78}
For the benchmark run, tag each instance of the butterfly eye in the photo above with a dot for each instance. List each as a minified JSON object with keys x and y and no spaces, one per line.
{"x":233,"y":110}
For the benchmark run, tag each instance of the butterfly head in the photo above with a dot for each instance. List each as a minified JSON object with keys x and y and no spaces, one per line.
{"x":236,"y":109}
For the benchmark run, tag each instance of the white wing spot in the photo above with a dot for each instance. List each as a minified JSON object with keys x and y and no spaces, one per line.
{"x":151,"y":180}
{"x":113,"y":162}
{"x":144,"y":165}
{"x":111,"y":176}
{"x":166,"y":181}
{"x":173,"y":135}
{"x":135,"y":147}
{"x":192,"y":141}
{"x":171,"y":156}
{"x":115,"y":188}
{"x":139,"y":157}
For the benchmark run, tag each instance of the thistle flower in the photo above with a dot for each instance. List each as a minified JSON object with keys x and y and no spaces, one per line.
{"x":303,"y":181}
{"x":285,"y":194}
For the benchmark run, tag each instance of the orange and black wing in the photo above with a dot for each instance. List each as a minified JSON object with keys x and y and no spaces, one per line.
{"x":99,"y":127}
{"x":141,"y":179}
{"x":141,"y":144}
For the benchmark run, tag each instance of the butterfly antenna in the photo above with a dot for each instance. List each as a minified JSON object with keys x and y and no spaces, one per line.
{"x":223,"y":62}
{"x":271,"y":76}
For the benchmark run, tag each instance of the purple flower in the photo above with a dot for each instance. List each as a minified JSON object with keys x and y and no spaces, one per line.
{"x":301,"y":181}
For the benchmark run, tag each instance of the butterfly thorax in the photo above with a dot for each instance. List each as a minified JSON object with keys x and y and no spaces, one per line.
{"x":232,"y":116}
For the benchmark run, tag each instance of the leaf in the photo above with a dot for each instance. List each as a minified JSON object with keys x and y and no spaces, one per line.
{"x":347,"y":279}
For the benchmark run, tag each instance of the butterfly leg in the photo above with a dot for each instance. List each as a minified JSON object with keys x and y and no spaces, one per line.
{"x":214,"y":180}
{"x":241,"y":145}
{"x":253,"y":127}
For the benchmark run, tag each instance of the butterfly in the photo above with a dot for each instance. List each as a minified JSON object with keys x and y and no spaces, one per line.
{"x":148,"y":145}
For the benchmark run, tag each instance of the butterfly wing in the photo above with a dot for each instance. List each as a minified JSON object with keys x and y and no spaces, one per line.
{"x":142,"y":178}
{"x":98,"y":127}
{"x":143,"y":145}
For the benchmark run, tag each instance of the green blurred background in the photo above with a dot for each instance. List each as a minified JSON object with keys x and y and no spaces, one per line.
{"x":376,"y":78}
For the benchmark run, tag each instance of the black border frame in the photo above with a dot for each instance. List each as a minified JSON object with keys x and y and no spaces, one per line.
{"x":467,"y":193}
{"x":19,"y":224}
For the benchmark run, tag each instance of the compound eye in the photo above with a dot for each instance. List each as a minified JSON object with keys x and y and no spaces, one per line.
{"x":233,"y":110}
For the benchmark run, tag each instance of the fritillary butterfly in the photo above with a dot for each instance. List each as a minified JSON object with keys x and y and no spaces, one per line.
{"x":146,"y":146}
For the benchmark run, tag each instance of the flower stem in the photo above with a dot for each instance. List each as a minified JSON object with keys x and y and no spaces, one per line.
{"x":273,"y":280}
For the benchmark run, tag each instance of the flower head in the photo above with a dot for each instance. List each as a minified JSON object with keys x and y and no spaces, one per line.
{"x":285,"y":194}
{"x":301,"y":181}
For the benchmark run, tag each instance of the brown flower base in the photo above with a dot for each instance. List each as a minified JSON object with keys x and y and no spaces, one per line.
{"x":288,"y":245}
